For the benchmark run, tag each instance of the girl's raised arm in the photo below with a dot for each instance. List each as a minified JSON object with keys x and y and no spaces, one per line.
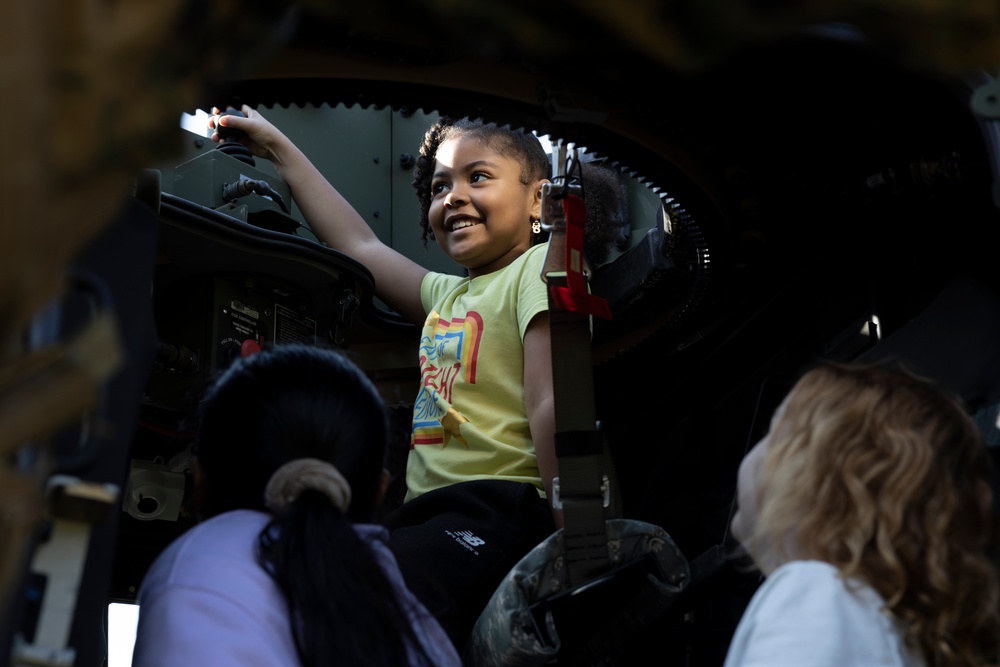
{"x":329,"y":215}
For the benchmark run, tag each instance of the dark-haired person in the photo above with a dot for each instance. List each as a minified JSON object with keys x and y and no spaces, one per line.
{"x":285,"y":566}
{"x":606,"y":197}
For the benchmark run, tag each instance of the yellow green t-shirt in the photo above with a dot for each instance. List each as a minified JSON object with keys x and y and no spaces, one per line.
{"x":469,"y":420}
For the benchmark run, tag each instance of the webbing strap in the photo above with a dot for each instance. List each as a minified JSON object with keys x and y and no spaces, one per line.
{"x":584,"y":533}
{"x":579,"y":446}
{"x":574,"y":296}
{"x":580,"y":471}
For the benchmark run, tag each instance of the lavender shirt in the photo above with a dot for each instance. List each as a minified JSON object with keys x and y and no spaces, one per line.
{"x":206,"y":601}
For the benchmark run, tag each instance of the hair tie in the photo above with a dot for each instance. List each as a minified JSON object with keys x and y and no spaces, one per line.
{"x":290,"y":480}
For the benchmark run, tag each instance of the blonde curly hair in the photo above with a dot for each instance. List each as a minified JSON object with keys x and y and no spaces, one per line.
{"x":878,"y":472}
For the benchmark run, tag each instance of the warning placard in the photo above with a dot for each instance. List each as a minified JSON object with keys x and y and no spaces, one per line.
{"x":290,"y":326}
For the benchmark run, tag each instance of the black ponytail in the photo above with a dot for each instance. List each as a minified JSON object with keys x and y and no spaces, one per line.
{"x":296,"y":401}
{"x":343,"y":609}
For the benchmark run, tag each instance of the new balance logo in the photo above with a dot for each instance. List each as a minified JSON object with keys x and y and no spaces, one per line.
{"x":470,"y":538}
{"x":467,"y":539}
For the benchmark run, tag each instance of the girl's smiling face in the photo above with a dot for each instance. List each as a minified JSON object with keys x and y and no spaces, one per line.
{"x":480,"y":211}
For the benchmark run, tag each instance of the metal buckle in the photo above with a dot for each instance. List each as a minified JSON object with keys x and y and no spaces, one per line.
{"x":605,"y":492}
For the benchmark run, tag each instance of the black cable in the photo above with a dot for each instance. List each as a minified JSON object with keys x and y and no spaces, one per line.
{"x":245,"y":186}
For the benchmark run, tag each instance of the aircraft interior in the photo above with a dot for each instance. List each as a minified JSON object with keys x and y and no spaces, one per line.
{"x":809,"y":196}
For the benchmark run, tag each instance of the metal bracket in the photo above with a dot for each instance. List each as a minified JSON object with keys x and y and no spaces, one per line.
{"x":605,"y":492}
{"x":347,"y":304}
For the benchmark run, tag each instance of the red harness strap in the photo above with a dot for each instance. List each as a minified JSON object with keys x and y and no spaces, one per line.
{"x":575,"y":297}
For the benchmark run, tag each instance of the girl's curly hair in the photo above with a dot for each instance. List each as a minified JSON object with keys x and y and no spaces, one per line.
{"x":605,"y":192}
{"x":885,"y":476}
{"x":605,"y":195}
{"x":512,"y":143}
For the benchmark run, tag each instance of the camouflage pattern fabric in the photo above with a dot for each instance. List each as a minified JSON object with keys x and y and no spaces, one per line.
{"x":681,"y":35}
{"x":92,"y":93}
{"x":505,"y":634}
{"x":688,"y":35}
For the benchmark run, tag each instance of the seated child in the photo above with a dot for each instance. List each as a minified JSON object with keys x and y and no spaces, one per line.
{"x":482,"y":454}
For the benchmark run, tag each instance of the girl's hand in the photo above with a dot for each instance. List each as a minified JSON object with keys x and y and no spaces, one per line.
{"x":254,"y":131}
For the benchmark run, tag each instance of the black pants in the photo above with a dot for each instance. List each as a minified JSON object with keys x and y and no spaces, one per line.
{"x":455,"y":545}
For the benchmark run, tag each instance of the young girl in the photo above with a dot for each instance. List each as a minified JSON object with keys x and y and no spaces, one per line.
{"x":286,"y":568}
{"x":482,"y":457}
{"x":869,"y":509}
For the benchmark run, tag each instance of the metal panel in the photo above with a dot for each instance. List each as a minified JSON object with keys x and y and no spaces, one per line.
{"x":408,"y":130}
{"x":350,"y":146}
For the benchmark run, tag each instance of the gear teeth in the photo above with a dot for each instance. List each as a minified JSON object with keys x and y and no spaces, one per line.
{"x":692,"y":240}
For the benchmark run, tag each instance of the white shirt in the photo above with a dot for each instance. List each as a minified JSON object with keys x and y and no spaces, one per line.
{"x":806,"y":615}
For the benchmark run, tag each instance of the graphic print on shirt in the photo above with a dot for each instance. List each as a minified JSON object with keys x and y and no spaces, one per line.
{"x":449,"y":349}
